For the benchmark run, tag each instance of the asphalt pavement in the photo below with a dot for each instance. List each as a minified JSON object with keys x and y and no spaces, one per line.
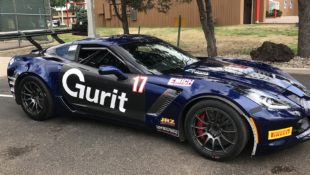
{"x":71,"y":145}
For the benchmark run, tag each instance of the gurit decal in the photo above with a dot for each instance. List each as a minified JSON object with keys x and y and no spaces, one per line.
{"x":83,"y":91}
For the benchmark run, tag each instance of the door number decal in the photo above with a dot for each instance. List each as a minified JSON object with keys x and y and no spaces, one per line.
{"x":139,"y":83}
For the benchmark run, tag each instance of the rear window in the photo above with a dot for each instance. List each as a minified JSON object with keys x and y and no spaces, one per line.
{"x":66,"y":51}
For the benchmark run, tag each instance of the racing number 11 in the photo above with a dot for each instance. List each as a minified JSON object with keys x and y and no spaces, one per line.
{"x":139,"y":83}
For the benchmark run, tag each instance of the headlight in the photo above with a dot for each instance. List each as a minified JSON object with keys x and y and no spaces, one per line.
{"x":11,"y":61}
{"x":267,"y":100}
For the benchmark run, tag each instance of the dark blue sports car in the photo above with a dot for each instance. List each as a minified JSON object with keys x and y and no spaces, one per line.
{"x":218,"y":105}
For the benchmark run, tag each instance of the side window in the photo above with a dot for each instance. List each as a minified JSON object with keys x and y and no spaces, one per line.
{"x":99,"y":56}
{"x":66,"y":51}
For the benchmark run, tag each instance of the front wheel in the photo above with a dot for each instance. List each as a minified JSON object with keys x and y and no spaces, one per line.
{"x":36,"y":100}
{"x":216,"y":130}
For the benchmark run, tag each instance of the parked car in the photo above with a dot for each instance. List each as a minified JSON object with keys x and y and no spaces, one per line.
{"x":54,"y":23}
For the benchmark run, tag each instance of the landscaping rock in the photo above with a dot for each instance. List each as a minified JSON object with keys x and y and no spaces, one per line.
{"x":273,"y":52}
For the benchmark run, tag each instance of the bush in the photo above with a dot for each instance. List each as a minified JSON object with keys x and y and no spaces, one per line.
{"x":80,"y":28}
{"x":279,"y":13}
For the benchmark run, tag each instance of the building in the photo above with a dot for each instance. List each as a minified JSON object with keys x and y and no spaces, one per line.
{"x":225,"y":12}
{"x":65,"y":18}
{"x":65,"y":14}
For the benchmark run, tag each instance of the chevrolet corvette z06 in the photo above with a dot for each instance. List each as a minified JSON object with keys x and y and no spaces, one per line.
{"x":219,"y":105}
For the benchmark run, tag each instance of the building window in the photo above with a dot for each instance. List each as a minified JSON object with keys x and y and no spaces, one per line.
{"x":133,"y":14}
{"x":274,"y":5}
{"x":291,"y":4}
{"x":285,"y":4}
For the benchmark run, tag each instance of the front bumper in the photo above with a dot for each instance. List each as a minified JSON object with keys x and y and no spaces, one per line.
{"x":280,"y":121}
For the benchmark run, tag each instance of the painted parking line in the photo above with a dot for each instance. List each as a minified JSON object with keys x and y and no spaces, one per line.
{"x":6,"y":96}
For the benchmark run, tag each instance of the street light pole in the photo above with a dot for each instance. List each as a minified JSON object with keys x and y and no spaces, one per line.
{"x":91,"y":19}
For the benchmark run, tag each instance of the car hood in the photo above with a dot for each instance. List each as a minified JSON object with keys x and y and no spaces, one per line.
{"x":247,"y":73}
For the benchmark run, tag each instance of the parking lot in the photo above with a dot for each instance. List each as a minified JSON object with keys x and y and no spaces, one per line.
{"x":69,"y":145}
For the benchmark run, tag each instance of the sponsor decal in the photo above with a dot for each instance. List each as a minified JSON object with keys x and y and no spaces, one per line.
{"x":198,"y":72}
{"x":167,"y":130}
{"x":100,"y":97}
{"x":139,"y":84}
{"x":180,"y":82}
{"x":167,"y":121}
{"x":72,"y":48}
{"x":280,"y":133}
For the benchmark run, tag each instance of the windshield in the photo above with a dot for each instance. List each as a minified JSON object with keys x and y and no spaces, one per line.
{"x":159,"y":57}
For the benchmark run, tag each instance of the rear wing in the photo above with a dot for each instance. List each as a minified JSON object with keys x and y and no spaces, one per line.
{"x":29,"y":34}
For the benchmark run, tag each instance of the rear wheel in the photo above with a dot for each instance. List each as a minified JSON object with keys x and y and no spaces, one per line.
{"x":216,"y":130}
{"x":36,"y":99}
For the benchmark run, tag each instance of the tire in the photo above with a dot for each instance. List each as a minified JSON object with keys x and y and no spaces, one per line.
{"x":36,"y":99}
{"x":216,"y":130}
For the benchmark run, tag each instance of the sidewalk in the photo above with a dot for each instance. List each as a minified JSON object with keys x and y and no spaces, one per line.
{"x":282,"y":20}
{"x":3,"y":65}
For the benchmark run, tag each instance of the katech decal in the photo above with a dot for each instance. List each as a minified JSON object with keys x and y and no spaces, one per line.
{"x":277,"y":134}
{"x":180,"y":82}
{"x":139,"y":84}
{"x":167,"y":130}
{"x":99,"y":97}
{"x":167,"y":121}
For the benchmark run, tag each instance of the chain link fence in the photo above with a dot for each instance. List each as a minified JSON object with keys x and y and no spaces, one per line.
{"x":22,"y":15}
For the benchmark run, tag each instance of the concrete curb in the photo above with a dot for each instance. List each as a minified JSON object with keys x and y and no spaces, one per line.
{"x":301,"y":71}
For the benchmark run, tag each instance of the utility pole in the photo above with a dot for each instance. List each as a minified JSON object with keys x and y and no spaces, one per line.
{"x":91,"y":19}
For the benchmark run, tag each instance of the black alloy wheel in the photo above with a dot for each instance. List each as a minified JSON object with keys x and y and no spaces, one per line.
{"x":216,"y":130}
{"x":36,"y":99}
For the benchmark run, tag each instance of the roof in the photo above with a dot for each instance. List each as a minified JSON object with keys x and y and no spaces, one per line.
{"x":117,"y":40}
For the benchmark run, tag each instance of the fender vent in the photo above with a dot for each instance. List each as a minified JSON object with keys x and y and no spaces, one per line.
{"x":163,"y":102}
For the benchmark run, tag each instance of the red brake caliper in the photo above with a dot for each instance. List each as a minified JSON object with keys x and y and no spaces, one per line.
{"x":200,"y":124}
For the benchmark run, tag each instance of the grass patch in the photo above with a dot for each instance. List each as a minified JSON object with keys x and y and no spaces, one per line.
{"x":231,"y":40}
{"x":257,"y":30}
{"x":294,"y":48}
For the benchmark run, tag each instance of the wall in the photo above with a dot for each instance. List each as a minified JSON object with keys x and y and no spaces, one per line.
{"x":225,"y":12}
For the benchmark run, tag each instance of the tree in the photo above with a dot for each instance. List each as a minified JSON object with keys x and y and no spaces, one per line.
{"x":141,"y":5}
{"x":304,"y":28}
{"x":207,"y":24}
{"x":205,"y":12}
{"x":58,"y":3}
{"x":122,"y":17}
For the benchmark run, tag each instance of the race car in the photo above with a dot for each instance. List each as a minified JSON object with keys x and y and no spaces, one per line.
{"x":219,"y":105}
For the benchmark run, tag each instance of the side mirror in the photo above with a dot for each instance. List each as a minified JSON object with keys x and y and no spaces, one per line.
{"x":108,"y":70}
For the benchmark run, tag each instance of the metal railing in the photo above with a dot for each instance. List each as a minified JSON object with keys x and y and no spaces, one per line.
{"x":16,"y":16}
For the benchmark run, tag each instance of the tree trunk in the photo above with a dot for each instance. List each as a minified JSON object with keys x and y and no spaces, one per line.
{"x":124,"y":17}
{"x":207,"y":24}
{"x":304,"y":29}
